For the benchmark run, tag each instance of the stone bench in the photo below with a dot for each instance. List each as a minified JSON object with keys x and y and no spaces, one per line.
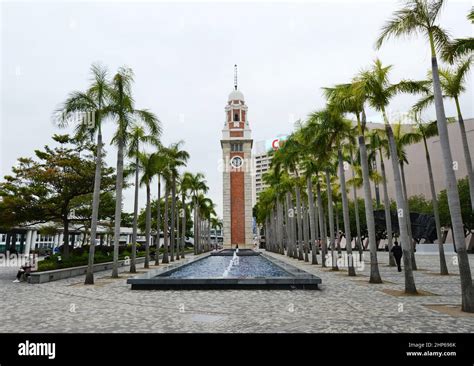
{"x":60,"y":274}
{"x":434,"y":249}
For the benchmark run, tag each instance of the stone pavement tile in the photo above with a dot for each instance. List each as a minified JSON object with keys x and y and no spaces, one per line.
{"x":343,"y":304}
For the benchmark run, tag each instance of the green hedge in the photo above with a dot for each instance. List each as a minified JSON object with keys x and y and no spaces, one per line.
{"x":53,"y":261}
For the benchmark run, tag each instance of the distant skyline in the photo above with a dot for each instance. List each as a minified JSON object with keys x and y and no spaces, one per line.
{"x":183,"y":57}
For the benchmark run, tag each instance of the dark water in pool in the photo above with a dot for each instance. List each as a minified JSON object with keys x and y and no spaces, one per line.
{"x":214,"y":267}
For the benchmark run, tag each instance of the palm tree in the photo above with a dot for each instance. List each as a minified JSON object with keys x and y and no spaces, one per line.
{"x":453,"y":85}
{"x":355,"y":183}
{"x":184,"y":188}
{"x":404,"y":137}
{"x":263,"y":212}
{"x":379,"y":93}
{"x":197,"y":185}
{"x":379,"y":143}
{"x":177,"y":158}
{"x":334,"y":131}
{"x":309,"y":167}
{"x":459,"y":47}
{"x":166,"y":227}
{"x":137,"y":136}
{"x":216,"y":224}
{"x":206,"y":209}
{"x":345,"y":206}
{"x":147,"y":164}
{"x":275,"y":178}
{"x":93,"y":101}
{"x":332,"y":237}
{"x":425,"y":131}
{"x":282,"y":186}
{"x":351,"y":98}
{"x":420,"y":16}
{"x":161,"y":169}
{"x":322,"y":223}
{"x":290,"y":155}
{"x":123,"y":110}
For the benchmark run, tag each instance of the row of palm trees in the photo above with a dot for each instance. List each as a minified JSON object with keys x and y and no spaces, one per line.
{"x":137,"y":129}
{"x":324,"y":146}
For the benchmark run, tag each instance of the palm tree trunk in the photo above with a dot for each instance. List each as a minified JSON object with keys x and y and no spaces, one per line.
{"x":201,"y":235}
{"x":118,"y":206}
{"x":300,"y":224}
{"x":267,"y":232}
{"x":322,"y":230}
{"x":209,"y":234}
{"x":467,"y":154}
{"x":304,"y":212}
{"x":173,"y":211}
{"x":402,"y":222}
{"x":196,"y":222}
{"x":95,"y":210}
{"x":407,"y":211}
{"x":454,"y":204}
{"x":294,"y":252}
{"x":133,"y":268}
{"x":313,"y":223}
{"x":280,"y":227}
{"x":209,"y":229}
{"x":345,"y":213}
{"x":183,"y":226}
{"x":376,"y":185}
{"x":270,"y":231}
{"x":166,"y":227}
{"x":289,"y":224}
{"x":369,"y":210}
{"x":277,"y":226}
{"x":158,"y":223}
{"x":276,"y":247}
{"x":388,"y":215}
{"x":332,"y":239}
{"x":356,"y":210}
{"x":147,"y":226}
{"x":338,"y":231}
{"x":195,"y":227}
{"x":442,"y":259}
{"x":178,"y":238}
{"x":206,"y":235}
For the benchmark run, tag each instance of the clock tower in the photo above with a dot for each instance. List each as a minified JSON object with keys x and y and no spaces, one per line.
{"x":236,"y":146}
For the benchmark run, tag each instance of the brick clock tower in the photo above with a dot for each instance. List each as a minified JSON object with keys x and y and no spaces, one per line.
{"x":236,"y":146}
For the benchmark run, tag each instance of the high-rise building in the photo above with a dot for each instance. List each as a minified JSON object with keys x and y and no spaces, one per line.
{"x":263,"y":160}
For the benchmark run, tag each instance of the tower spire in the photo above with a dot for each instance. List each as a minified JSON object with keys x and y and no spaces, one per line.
{"x":235,"y":76}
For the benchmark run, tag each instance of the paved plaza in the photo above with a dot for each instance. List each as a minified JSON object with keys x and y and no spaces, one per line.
{"x":341,"y":305}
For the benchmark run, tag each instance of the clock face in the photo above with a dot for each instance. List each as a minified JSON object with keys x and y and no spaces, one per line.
{"x":236,"y":161}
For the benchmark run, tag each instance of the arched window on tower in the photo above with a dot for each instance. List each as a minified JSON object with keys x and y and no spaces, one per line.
{"x":236,"y":117}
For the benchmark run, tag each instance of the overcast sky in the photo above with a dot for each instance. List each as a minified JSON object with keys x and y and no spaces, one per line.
{"x":183,"y":56}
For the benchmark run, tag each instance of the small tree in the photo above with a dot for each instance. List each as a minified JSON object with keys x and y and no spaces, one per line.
{"x":51,"y":187}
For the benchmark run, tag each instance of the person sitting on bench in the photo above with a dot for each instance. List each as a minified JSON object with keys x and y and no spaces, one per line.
{"x":23,"y":272}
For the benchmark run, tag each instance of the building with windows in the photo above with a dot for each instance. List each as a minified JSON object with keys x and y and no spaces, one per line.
{"x":42,"y":238}
{"x":262,"y":162}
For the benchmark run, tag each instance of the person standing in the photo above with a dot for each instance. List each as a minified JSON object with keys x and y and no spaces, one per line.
{"x":397,"y":254}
